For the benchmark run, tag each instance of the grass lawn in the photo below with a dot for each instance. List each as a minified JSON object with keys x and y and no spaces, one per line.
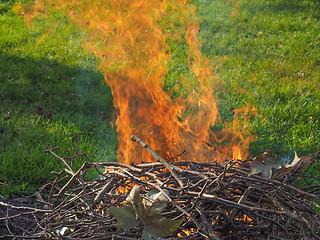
{"x":50,"y":91}
{"x":265,"y":52}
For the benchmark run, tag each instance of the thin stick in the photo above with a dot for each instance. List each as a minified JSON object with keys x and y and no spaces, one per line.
{"x":7,"y":222}
{"x":87,"y":199}
{"x":24,"y":208}
{"x":211,"y":233}
{"x":156,"y":156}
{"x":65,"y":163}
{"x":72,"y":179}
{"x":217,"y":149}
{"x":242,"y":200}
{"x":141,"y":220}
{"x":107,"y":187}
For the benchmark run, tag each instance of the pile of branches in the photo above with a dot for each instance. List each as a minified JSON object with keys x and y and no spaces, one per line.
{"x":195,"y":200}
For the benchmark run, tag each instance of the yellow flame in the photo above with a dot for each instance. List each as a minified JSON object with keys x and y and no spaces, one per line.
{"x":236,"y":153}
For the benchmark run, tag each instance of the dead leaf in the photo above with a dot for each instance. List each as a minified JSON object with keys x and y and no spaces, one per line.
{"x":268,"y":165}
{"x":297,"y":162}
{"x":264,"y":164}
{"x":126,"y":216}
{"x":149,"y":210}
{"x":258,"y":167}
{"x":160,"y":227}
{"x":134,"y":195}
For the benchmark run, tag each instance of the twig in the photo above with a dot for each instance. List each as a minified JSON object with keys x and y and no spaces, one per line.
{"x":174,"y":158}
{"x":72,"y":179}
{"x":119,"y":165}
{"x":141,"y":220}
{"x":183,"y":211}
{"x":107,"y":187}
{"x":156,"y":156}
{"x":211,"y":232}
{"x":217,"y":149}
{"x":87,"y":200}
{"x":274,"y":182}
{"x":242,"y":200}
{"x":7,"y":221}
{"x":53,"y":186}
{"x":200,"y":193}
{"x":21,"y":237}
{"x":24,"y":208}
{"x":49,"y":150}
{"x":215,"y":199}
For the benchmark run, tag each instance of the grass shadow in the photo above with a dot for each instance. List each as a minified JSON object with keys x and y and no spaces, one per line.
{"x":49,"y":103}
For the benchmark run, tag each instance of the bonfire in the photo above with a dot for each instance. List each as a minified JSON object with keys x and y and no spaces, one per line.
{"x":177,"y":200}
{"x":189,"y":181}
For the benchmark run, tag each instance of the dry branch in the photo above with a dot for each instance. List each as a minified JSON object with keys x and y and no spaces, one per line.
{"x":217,"y":202}
{"x":158,"y":158}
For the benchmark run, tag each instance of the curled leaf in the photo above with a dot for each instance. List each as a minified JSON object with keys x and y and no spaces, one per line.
{"x":264,"y":164}
{"x":134,"y":195}
{"x":268,"y":165}
{"x":297,"y":162}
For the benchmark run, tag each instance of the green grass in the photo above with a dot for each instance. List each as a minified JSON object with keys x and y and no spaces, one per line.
{"x":52,"y":91}
{"x":269,"y":56}
{"x":264,"y":53}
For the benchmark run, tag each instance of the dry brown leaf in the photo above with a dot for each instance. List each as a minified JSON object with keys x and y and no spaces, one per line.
{"x":297,"y":162}
{"x":264,"y":164}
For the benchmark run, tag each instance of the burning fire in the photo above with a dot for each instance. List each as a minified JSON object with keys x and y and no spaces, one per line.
{"x":133,"y":51}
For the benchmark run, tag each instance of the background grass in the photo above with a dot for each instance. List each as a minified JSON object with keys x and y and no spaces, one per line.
{"x":50,"y":91}
{"x":264,"y":53}
{"x":268,"y":55}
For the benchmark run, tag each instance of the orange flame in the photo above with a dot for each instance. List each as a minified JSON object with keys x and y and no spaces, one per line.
{"x":236,"y":152}
{"x":133,"y":49}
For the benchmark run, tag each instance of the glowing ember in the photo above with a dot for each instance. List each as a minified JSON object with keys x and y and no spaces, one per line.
{"x":187,"y":232}
{"x":132,"y":47}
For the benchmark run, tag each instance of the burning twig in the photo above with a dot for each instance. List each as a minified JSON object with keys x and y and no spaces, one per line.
{"x":156,"y":156}
{"x":210,"y":231}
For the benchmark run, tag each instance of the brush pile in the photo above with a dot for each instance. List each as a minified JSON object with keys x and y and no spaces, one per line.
{"x":190,"y":200}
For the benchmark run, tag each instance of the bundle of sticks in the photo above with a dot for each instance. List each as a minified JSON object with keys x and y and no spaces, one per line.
{"x":211,"y":201}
